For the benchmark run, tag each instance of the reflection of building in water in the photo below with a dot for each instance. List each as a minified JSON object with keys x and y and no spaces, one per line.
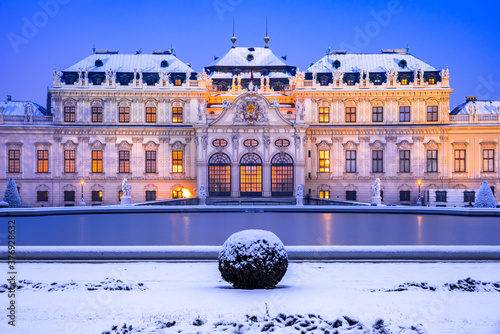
{"x":248,"y":125}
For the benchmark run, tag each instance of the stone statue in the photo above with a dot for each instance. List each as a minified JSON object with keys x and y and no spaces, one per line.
{"x":376,"y":188}
{"x":56,"y":75}
{"x":338,"y":75}
{"x":415,"y":74}
{"x":297,"y":108}
{"x":202,"y":195}
{"x":314,"y":75}
{"x":275,"y":104}
{"x":421,"y":73}
{"x":445,"y":74}
{"x":226,"y":104}
{"x":299,"y":196}
{"x":361,"y":75}
{"x":79,"y":74}
{"x":392,"y":74}
{"x":261,"y":81}
{"x":251,"y":87}
{"x":238,"y":80}
{"x":125,"y":188}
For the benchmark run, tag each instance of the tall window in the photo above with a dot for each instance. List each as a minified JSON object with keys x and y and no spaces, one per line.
{"x":42,"y":165}
{"x":97,"y":161}
{"x":177,"y":115}
{"x":14,"y":161}
{"x":432,"y":161}
{"x":460,"y":161}
{"x":404,"y":195}
{"x":150,"y":195}
{"x":488,"y":160}
{"x":69,"y":161}
{"x":324,"y":115}
{"x":42,"y":196}
{"x":69,"y":113}
{"x":96,"y":114}
{"x":404,"y":114}
{"x":219,"y":174}
{"x":350,"y":114}
{"x":404,"y":161}
{"x":378,"y":114}
{"x":150,"y":114}
{"x":377,"y":161}
{"x":124,"y":114}
{"x":324,"y":161}
{"x":350,"y":161}
{"x":324,"y":194}
{"x":432,"y":113}
{"x":250,"y":175}
{"x":177,"y":161}
{"x":282,"y":175}
{"x":124,"y":162}
{"x":150,"y":161}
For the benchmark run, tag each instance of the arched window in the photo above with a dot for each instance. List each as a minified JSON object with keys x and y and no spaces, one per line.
{"x":282,"y":175}
{"x":251,"y":175}
{"x":219,"y":175}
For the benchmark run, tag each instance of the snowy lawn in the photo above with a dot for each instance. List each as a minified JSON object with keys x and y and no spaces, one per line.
{"x":191,"y":297}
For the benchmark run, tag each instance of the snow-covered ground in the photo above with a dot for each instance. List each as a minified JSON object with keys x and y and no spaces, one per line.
{"x":93,"y":298}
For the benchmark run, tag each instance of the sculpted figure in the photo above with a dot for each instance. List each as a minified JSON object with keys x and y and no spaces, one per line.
{"x":125,"y":188}
{"x":376,"y":188}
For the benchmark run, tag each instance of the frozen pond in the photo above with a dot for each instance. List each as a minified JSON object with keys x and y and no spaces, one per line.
{"x":140,"y":229}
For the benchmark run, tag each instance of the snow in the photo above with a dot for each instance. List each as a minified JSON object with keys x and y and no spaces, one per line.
{"x":249,"y":243}
{"x":186,"y":291}
{"x":485,"y":197}
{"x":11,"y":194}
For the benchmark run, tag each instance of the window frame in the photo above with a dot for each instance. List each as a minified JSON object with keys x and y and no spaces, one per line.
{"x":69,"y":161}
{"x":324,"y":115}
{"x":324,"y":161}
{"x":349,"y":195}
{"x":489,"y":161}
{"x":377,"y":114}
{"x":432,"y":161}
{"x":460,"y":160}
{"x":404,"y":114}
{"x":96,"y":112}
{"x":177,"y":114}
{"x":42,"y":161}
{"x":404,"y":161}
{"x":151,"y":162}
{"x":97,"y":195}
{"x":149,"y":194}
{"x":68,"y":194}
{"x":377,"y":161}
{"x":97,"y":159}
{"x":14,"y":161}
{"x":150,"y":114}
{"x":404,"y":195}
{"x":124,"y":161}
{"x":467,"y":196}
{"x":350,"y":114}
{"x":42,"y":196}
{"x":350,"y":161}
{"x":432,"y":113}
{"x":177,"y":161}
{"x":441,"y":196}
{"x":324,"y":194}
{"x":124,"y":116}
{"x":69,"y":114}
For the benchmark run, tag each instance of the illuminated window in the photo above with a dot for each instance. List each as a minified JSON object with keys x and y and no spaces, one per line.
{"x":432,"y":161}
{"x":324,"y":115}
{"x":251,"y":143}
{"x":124,"y":114}
{"x":350,"y":161}
{"x":460,"y":161}
{"x":404,"y":81}
{"x":220,"y":143}
{"x":69,"y":161}
{"x":69,"y":113}
{"x":120,"y":194}
{"x":69,"y":195}
{"x":251,"y":175}
{"x":350,"y":114}
{"x":404,"y":161}
{"x":432,"y":113}
{"x":177,"y":161}
{"x":150,"y":114}
{"x":351,"y":81}
{"x":150,"y":161}
{"x":404,"y":114}
{"x":42,"y":157}
{"x":219,"y":175}
{"x":324,"y":161}
{"x":432,"y":81}
{"x":96,"y":195}
{"x":488,"y":160}
{"x":177,"y":115}
{"x":42,"y":196}
{"x":377,"y":161}
{"x":96,"y":114}
{"x":124,"y":162}
{"x":97,"y":161}
{"x":378,"y":114}
{"x":150,"y":195}
{"x":177,"y":82}
{"x":14,"y":161}
{"x":282,"y":143}
{"x":324,"y":194}
{"x":177,"y":193}
{"x":282,"y":175}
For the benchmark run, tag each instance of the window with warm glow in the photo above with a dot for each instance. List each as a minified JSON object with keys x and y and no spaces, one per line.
{"x":97,"y":195}
{"x":150,"y":114}
{"x":350,"y":114}
{"x":14,"y":161}
{"x":460,"y":161}
{"x":97,"y":161}
{"x":177,"y":115}
{"x":42,"y":165}
{"x":432,"y":81}
{"x":177,"y":82}
{"x":96,"y":114}
{"x":324,"y":194}
{"x":324,"y":115}
{"x":177,"y":161}
{"x":69,"y":161}
{"x":69,"y":113}
{"x":489,"y":160}
{"x":324,"y":161}
{"x":124,"y":114}
{"x":124,"y":162}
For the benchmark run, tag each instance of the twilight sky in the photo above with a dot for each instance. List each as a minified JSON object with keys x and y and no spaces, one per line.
{"x":35,"y":36}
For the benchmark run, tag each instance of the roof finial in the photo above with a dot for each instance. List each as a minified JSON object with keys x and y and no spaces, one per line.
{"x":266,"y":39}
{"x":407,"y":49}
{"x":93,"y":49}
{"x":233,"y":39}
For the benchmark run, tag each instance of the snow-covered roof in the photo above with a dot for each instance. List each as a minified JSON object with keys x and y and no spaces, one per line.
{"x":20,"y":108}
{"x":239,"y":56}
{"x":247,"y":75}
{"x":369,"y":62}
{"x":128,"y":63}
{"x":478,"y":108}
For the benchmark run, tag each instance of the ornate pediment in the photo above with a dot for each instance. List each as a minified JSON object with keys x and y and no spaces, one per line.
{"x":431,"y":145}
{"x":350,"y":145}
{"x":69,"y":145}
{"x":377,"y":145}
{"x":324,"y":145}
{"x":42,"y":146}
{"x":124,"y":146}
{"x":97,"y":145}
{"x":488,"y":145}
{"x":250,"y":111}
{"x":14,"y":145}
{"x":150,"y":146}
{"x":177,"y":146}
{"x":404,"y":145}
{"x":460,"y":145}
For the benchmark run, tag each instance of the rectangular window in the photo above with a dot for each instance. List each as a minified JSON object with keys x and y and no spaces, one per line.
{"x":324,"y":194}
{"x":124,"y":114}
{"x":69,"y":161}
{"x":324,"y":161}
{"x":42,"y":196}
{"x":441,"y":196}
{"x":432,"y":113}
{"x":350,"y":195}
{"x":404,"y":161}
{"x":124,"y":162}
{"x":69,"y":195}
{"x":42,"y":163}
{"x":350,"y":114}
{"x":378,"y":114}
{"x":120,"y":194}
{"x":460,"y":161}
{"x":177,"y":82}
{"x":377,"y":161}
{"x":96,"y":114}
{"x":96,"y":195}
{"x":404,"y":114}
{"x":150,"y":114}
{"x":151,"y":195}
{"x":150,"y":161}
{"x":404,"y":196}
{"x":432,"y":161}
{"x":404,"y":81}
{"x":177,"y":115}
{"x":324,"y":115}
{"x":177,"y":161}
{"x":488,"y":160}
{"x":469,"y":196}
{"x":14,"y":161}
{"x":96,"y":161}
{"x":350,"y":161}
{"x":69,"y":114}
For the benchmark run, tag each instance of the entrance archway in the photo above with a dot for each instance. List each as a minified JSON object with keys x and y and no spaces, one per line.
{"x":219,"y":175}
{"x":282,"y":175}
{"x":251,"y":175}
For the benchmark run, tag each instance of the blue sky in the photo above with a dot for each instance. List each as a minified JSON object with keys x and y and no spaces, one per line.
{"x":35,"y":36}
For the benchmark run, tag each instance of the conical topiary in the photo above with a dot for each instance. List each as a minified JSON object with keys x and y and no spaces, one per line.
{"x":11,"y":194}
{"x":485,"y":197}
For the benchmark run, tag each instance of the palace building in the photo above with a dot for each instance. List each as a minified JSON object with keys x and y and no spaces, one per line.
{"x":249,"y":125}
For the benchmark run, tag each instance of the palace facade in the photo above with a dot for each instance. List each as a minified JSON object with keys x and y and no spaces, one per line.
{"x":248,"y":125}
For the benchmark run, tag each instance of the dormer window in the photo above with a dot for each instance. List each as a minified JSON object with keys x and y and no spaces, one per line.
{"x":404,"y":81}
{"x":350,"y":80}
{"x":377,"y":80}
{"x":177,"y":81}
{"x":432,"y":81}
{"x":124,"y":80}
{"x":150,"y":80}
{"x":324,"y":80}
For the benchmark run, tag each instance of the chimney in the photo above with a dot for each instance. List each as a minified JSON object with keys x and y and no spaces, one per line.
{"x":471,"y":98}
{"x":9,"y":97}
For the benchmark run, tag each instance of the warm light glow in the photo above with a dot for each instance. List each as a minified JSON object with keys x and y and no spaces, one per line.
{"x":419,"y":182}
{"x":186,"y":193}
{"x":82,"y":182}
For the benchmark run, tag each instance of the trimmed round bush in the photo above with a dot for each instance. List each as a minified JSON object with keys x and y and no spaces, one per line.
{"x":4,"y":204}
{"x":253,"y":259}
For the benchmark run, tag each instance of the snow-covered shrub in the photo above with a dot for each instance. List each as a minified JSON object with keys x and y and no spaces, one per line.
{"x":485,"y":197}
{"x":4,"y":204}
{"x":253,"y":259}
{"x":11,"y":195}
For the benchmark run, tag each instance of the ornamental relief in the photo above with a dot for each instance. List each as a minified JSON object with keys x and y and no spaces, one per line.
{"x":404,"y":187}
{"x":324,"y":145}
{"x":488,"y":145}
{"x":377,"y":145}
{"x":150,"y":146}
{"x":42,"y":146}
{"x":350,"y":187}
{"x":14,"y":146}
{"x":324,"y":187}
{"x":124,"y":146}
{"x":250,"y":111}
{"x":177,"y":146}
{"x":42,"y":187}
{"x":350,"y":145}
{"x":459,"y":186}
{"x":431,"y":145}
{"x":460,"y":146}
{"x":97,"y":145}
{"x":404,"y":145}
{"x":69,"y":187}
